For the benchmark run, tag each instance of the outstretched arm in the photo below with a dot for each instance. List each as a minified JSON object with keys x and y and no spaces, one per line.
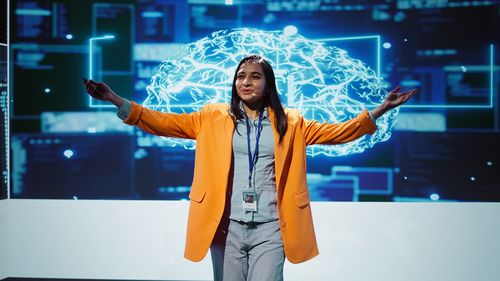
{"x":184,"y":125}
{"x":328,"y":133}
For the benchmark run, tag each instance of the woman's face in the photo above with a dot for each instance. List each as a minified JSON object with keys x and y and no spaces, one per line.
{"x":250,"y":82}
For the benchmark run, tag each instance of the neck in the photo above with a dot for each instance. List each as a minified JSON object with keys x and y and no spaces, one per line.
{"x":252,"y":110}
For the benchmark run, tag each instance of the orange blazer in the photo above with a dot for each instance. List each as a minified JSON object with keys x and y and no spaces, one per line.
{"x":212,"y":128}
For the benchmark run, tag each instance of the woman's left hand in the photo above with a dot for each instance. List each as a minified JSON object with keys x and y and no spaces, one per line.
{"x":393,"y":99}
{"x":396,"y":98}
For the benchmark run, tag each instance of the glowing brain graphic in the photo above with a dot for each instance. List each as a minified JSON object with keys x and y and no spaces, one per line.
{"x":323,"y":82}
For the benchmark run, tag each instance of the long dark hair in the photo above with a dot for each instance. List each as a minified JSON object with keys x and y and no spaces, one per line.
{"x":270,"y":97}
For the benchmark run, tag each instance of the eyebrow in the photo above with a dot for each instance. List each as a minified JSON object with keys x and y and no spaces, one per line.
{"x":255,"y":72}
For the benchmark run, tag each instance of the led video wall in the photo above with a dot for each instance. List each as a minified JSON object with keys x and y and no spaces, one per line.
{"x":332,"y":59}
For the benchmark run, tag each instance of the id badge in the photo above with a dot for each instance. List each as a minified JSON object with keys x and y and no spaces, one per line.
{"x":249,"y":202}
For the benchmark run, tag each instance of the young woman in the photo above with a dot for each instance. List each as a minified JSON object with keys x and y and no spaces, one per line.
{"x":249,"y":201}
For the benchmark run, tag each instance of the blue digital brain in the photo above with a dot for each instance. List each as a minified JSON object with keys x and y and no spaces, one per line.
{"x":322,"y":81}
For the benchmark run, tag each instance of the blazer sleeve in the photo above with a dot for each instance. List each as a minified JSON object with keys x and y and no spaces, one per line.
{"x":328,"y":133}
{"x":178,"y":125}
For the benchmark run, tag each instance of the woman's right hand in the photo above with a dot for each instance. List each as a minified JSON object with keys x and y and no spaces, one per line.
{"x":101,"y":91}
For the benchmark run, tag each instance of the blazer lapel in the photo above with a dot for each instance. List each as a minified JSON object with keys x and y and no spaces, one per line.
{"x":224,"y":129}
{"x":280,"y":150}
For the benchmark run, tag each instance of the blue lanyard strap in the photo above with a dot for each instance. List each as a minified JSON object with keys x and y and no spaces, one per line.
{"x":252,"y":159}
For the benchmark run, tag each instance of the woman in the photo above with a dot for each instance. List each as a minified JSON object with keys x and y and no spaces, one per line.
{"x":249,"y":201}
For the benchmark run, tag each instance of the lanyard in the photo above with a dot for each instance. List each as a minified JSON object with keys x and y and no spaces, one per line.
{"x":252,"y":159}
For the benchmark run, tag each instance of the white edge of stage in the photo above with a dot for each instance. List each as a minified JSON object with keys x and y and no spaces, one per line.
{"x":100,"y":239}
{"x":4,"y":239}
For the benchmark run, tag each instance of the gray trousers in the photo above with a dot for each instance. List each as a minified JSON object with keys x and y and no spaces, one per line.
{"x":247,"y":252}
